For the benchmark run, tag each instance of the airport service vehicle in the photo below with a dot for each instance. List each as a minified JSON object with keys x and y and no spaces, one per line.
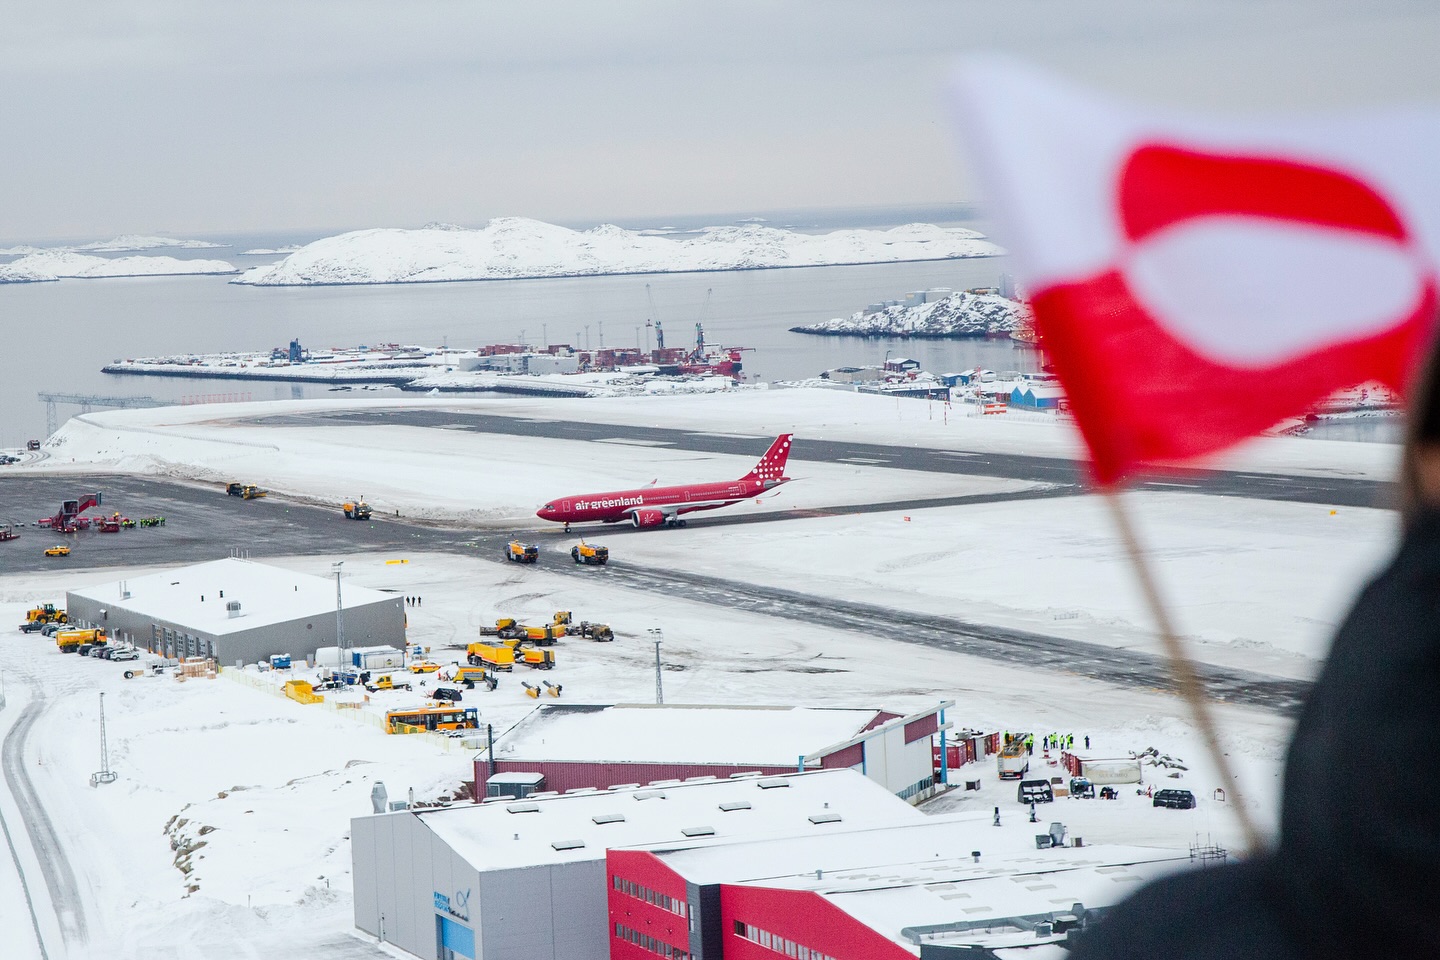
{"x":518,"y":552}
{"x":356,"y":509}
{"x":487,"y":655}
{"x":65,"y":520}
{"x":69,"y":641}
{"x":1013,"y":761}
{"x":245,"y":491}
{"x":590,"y":553}
{"x":592,"y":631}
{"x":666,"y":506}
{"x":424,"y":719}
{"x":424,"y":666}
{"x":469,"y":676}
{"x":59,"y":550}
{"x":7,"y":532}
{"x":387,"y":682}
{"x":1174,"y":799}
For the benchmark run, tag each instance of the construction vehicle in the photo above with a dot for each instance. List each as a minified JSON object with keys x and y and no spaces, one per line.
{"x":245,"y":491}
{"x":469,"y":676}
{"x":45,"y":613}
{"x":356,"y":509}
{"x":425,"y":719}
{"x":496,"y":658}
{"x":600,"y":632}
{"x":552,"y":688}
{"x":505,"y":628}
{"x":535,"y":659}
{"x":59,"y":550}
{"x":590,"y":553}
{"x":69,"y":641}
{"x":518,"y":552}
{"x":386,"y":682}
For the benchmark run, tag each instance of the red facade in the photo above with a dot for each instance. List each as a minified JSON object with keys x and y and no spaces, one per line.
{"x":765,"y":924}
{"x":924,"y":727}
{"x":649,"y":915}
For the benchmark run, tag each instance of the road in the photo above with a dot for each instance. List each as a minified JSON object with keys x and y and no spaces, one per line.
{"x":1068,"y":474}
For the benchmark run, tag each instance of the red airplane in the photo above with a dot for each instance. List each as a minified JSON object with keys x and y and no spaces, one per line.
{"x":656,"y":506}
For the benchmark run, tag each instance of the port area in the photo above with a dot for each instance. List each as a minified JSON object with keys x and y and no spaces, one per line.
{"x":557,"y":370}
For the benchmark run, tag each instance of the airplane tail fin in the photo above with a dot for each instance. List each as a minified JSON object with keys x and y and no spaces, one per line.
{"x":772,"y":465}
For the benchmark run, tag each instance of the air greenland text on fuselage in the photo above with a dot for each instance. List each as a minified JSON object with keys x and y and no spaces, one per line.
{"x":609,"y":504}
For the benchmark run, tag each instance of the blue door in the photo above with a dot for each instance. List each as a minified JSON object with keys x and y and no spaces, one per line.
{"x":454,"y":939}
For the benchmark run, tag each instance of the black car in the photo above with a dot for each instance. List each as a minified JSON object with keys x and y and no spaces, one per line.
{"x":1174,"y":799}
{"x":31,"y":626}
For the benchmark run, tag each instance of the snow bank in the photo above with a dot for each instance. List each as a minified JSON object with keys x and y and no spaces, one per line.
{"x":513,"y":248}
{"x":59,"y":264}
{"x":958,"y":315}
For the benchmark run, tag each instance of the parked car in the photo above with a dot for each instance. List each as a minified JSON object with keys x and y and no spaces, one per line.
{"x":1174,"y":799}
{"x":31,"y":626}
{"x":51,"y":628}
{"x":85,"y":649}
{"x":59,"y":550}
{"x":125,"y":654}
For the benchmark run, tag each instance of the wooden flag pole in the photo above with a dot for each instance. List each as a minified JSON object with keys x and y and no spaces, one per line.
{"x":1183,"y":669}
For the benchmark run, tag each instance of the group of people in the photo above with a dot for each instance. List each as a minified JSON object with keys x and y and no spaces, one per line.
{"x":1051,"y":741}
{"x":413,"y":601}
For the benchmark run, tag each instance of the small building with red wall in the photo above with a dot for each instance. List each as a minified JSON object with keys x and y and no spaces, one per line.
{"x":885,"y":892}
{"x":602,"y":746}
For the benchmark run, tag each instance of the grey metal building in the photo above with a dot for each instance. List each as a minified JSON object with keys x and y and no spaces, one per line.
{"x":526,"y":879}
{"x":237,"y":610}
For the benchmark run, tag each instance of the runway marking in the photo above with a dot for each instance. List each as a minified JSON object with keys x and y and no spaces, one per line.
{"x":869,"y":460}
{"x":627,"y":442}
{"x":729,"y":436}
{"x":1169,"y":483}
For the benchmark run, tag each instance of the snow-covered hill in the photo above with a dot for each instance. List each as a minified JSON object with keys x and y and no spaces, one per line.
{"x":515,"y":248}
{"x":128,"y":242}
{"x":958,"y":315}
{"x":61,"y":264}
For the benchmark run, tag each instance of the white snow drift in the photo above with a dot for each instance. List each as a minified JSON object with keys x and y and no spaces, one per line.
{"x":63,"y":264}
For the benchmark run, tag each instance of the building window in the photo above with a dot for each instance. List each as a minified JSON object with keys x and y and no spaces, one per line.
{"x":664,"y":901}
{"x":777,"y":943}
{"x":649,"y":943}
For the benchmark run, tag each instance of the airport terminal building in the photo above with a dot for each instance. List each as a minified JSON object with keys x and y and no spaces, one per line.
{"x":237,"y":611}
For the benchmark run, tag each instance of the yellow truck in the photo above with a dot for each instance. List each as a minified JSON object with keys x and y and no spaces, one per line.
{"x":70,"y":640}
{"x":590,"y":553}
{"x":386,"y":682}
{"x":494,"y":657}
{"x":245,"y":491}
{"x":535,"y":659}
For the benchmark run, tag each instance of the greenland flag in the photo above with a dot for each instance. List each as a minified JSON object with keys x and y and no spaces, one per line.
{"x":1197,"y":282}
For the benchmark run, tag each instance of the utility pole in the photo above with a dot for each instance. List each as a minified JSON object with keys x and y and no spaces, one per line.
{"x":339,"y":620}
{"x":105,"y":774}
{"x":659,"y":688}
{"x":545,"y":334}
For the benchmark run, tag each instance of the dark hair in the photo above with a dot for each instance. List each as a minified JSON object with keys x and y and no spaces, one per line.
{"x":1422,"y":429}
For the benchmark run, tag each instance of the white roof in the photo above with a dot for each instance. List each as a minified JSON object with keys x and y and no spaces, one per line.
{"x":679,"y":733}
{"x":504,"y":834}
{"x":266,"y":594}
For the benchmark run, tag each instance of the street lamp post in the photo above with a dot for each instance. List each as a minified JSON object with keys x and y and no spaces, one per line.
{"x":339,"y":622}
{"x":657,"y":635}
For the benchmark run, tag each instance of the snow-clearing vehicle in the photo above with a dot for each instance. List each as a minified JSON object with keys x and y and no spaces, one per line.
{"x":518,"y":552}
{"x":590,"y":553}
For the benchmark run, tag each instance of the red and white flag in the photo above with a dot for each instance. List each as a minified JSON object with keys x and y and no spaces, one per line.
{"x":1197,"y":282}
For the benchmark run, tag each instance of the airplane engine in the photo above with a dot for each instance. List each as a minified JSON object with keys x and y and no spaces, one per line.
{"x":647,"y":518}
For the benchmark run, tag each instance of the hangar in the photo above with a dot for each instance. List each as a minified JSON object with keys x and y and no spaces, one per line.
{"x":236,"y":610}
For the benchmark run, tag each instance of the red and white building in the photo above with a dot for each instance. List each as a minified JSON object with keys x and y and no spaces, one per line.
{"x":601,"y":746}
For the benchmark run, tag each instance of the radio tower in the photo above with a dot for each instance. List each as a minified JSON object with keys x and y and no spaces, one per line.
{"x":105,"y":774}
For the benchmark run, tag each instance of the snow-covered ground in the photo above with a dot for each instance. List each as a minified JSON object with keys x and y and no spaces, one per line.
{"x":512,"y":248}
{"x":66,"y":264}
{"x":958,"y":315}
{"x":1258,"y":584}
{"x":269,"y":785}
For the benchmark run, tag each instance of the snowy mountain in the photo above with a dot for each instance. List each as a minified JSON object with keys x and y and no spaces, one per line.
{"x":60,"y":264}
{"x":958,"y":315}
{"x":515,"y":248}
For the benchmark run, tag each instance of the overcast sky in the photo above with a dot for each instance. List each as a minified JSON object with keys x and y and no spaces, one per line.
{"x":198,"y":118}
